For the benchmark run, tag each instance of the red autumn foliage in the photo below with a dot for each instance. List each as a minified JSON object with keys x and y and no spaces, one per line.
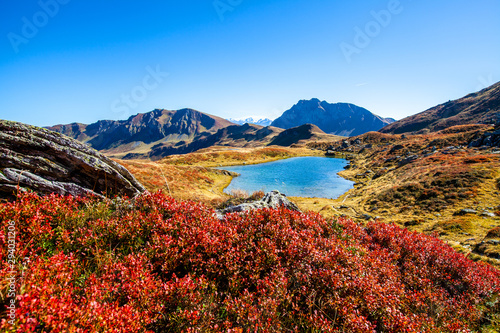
{"x":159,"y":265}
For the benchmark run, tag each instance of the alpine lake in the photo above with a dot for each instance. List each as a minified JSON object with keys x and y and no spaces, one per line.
{"x":309,"y":177}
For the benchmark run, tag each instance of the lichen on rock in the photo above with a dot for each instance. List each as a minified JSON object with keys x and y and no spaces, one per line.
{"x":48,"y":162}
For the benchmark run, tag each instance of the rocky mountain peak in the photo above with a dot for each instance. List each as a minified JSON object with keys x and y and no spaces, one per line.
{"x":339,"y":119}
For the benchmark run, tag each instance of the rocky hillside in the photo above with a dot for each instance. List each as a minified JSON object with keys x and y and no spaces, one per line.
{"x":339,"y":119}
{"x":140,"y":132}
{"x":301,"y":134}
{"x":248,"y":135}
{"x":48,"y":162}
{"x":245,"y":136}
{"x":444,"y":182}
{"x":482,"y":107}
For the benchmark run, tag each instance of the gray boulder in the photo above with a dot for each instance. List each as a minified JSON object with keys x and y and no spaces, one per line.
{"x":466,"y":211}
{"x":490,"y":139}
{"x":408,"y":160}
{"x":48,"y":162}
{"x":272,"y":200}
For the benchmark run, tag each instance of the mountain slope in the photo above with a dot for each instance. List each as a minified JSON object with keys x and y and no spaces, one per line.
{"x":338,"y":119}
{"x":140,"y":132}
{"x":245,"y":136}
{"x":248,"y":135}
{"x":478,"y":108}
{"x":295,"y":135}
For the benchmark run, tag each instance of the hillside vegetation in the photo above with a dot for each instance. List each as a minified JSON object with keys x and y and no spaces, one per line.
{"x":482,"y":107}
{"x":432,"y":183}
{"x":160,"y":265}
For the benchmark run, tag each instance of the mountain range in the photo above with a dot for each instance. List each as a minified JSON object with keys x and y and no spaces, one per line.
{"x":139,"y":133}
{"x":482,"y":107}
{"x":244,"y":136}
{"x":262,"y":122}
{"x":160,"y":133}
{"x":339,"y":119}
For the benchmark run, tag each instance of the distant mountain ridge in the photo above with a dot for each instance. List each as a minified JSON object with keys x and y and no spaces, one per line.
{"x":161,"y":132}
{"x":262,"y":122}
{"x":342,"y":119}
{"x":482,"y":107}
{"x":245,"y":136}
{"x":143,"y":130}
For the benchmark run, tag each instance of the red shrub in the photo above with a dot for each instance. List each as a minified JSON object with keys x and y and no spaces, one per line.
{"x":158,"y":265}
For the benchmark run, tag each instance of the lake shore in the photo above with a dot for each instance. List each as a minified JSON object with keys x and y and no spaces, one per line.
{"x":305,"y":176}
{"x":194,"y":177}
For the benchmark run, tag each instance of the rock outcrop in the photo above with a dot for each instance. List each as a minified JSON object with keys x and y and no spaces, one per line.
{"x":273,"y":200}
{"x":49,"y":162}
{"x":489,"y":139}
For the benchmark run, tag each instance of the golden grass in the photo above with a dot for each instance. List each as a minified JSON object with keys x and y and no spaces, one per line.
{"x":193,"y":177}
{"x":224,"y":156}
{"x":424,"y":195}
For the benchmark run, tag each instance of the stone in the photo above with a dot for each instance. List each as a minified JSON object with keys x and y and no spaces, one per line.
{"x":273,"y":200}
{"x":408,"y":160}
{"x":47,"y":162}
{"x":466,"y":211}
{"x":488,"y":214}
{"x":491,"y":139}
{"x":396,"y":148}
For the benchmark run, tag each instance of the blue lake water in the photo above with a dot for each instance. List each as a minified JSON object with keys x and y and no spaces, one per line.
{"x":298,"y":177}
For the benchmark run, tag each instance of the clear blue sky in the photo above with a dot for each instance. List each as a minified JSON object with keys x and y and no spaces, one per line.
{"x":235,"y":58}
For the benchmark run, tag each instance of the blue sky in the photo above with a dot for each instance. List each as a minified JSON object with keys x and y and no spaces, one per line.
{"x":64,"y":61}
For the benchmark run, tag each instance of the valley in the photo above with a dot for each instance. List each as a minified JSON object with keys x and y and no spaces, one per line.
{"x":422,"y":172}
{"x":250,"y":167}
{"x":422,"y":223}
{"x":194,"y":177}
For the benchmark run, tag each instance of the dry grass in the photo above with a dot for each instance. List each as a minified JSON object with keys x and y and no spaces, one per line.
{"x":192,"y":177}
{"x":425,"y":194}
{"x":181,"y":182}
{"x":224,"y":156}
